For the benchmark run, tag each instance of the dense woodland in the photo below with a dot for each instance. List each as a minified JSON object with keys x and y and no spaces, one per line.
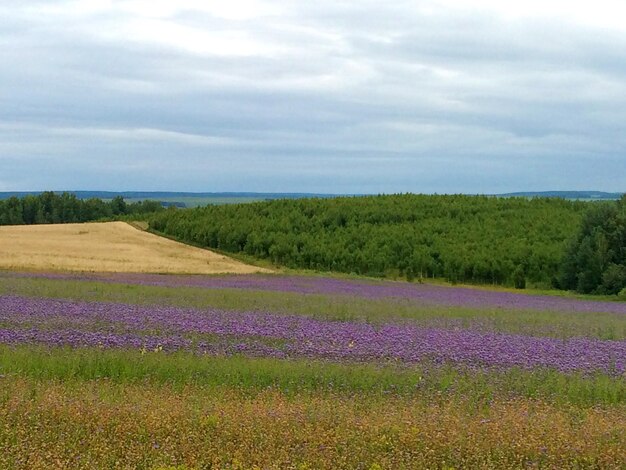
{"x":509,"y":241}
{"x":596,"y":257}
{"x":481,"y":239}
{"x":52,"y":208}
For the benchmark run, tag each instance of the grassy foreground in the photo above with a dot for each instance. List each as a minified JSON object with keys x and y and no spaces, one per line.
{"x":131,"y":406}
{"x":101,"y":424}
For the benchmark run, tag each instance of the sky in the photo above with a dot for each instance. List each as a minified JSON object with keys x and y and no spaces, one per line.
{"x":331,"y":96}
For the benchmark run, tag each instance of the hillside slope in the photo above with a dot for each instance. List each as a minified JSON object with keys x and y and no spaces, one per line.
{"x":106,"y":247}
{"x":461,"y":238}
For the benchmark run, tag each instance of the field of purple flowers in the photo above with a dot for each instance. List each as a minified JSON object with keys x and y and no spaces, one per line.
{"x":287,"y":332}
{"x":56,"y":322}
{"x":427,"y":294}
{"x":259,"y":332}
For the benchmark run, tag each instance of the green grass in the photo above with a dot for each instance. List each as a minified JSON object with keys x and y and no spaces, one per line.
{"x":607,"y":326}
{"x":253,"y":374}
{"x":105,"y":408}
{"x":256,"y":374}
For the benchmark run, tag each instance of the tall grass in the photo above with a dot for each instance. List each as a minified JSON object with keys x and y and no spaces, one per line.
{"x":255,"y":374}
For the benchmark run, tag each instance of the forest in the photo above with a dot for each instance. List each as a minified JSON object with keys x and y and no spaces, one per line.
{"x":53,"y":208}
{"x":478,"y":239}
{"x":540,"y":242}
{"x":595,"y":260}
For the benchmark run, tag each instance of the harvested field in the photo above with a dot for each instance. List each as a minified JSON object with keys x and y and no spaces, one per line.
{"x":106,"y":247}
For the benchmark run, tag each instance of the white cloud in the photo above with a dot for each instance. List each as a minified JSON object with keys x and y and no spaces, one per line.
{"x":599,"y":13}
{"x":170,"y":34}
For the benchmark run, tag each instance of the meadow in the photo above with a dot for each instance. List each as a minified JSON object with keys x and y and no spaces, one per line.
{"x":126,"y":370}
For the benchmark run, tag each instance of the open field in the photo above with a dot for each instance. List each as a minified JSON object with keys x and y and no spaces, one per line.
{"x":106,"y":247}
{"x":337,"y":300}
{"x":103,"y":424}
{"x":122,"y":370}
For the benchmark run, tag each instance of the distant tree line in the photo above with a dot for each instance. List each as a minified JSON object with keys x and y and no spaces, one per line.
{"x":479,"y":239}
{"x":595,"y":260}
{"x":52,"y":208}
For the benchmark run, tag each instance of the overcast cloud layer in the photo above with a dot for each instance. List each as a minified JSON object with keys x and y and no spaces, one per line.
{"x":324,"y":96}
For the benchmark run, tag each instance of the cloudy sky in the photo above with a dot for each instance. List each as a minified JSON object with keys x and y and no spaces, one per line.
{"x":327,"y":96}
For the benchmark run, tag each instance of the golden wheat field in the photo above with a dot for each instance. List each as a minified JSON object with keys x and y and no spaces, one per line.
{"x":106,"y":247}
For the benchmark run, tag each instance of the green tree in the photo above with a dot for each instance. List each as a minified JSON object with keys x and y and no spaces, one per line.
{"x":595,"y":261}
{"x":118,"y":206}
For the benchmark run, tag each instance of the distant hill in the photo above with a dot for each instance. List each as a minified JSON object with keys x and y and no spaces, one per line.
{"x":566,"y":194}
{"x":191,"y":199}
{"x":178,"y":199}
{"x":168,"y":194}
